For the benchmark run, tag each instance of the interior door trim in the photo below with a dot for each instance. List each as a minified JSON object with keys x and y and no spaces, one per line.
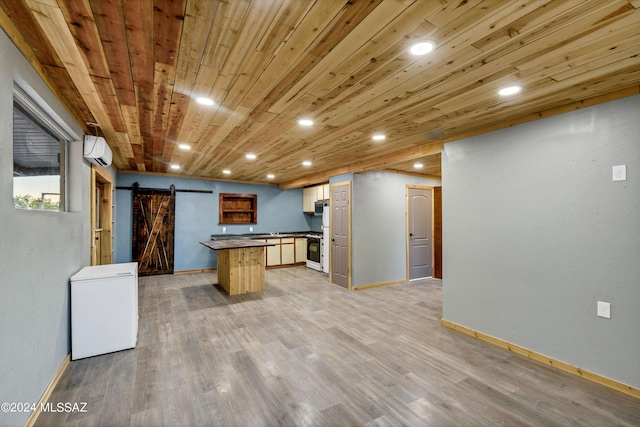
{"x":100,"y":174}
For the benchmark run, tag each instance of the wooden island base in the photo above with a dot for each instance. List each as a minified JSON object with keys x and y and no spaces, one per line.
{"x":241,"y":270}
{"x":241,"y":265}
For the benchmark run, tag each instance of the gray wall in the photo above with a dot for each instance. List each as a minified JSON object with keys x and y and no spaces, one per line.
{"x":197,"y":215}
{"x":535,"y":233}
{"x":379,"y":241}
{"x":39,"y":252}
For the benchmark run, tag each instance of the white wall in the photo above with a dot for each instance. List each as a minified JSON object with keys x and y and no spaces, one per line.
{"x":39,"y":251}
{"x":379,"y":233}
{"x":535,"y":233}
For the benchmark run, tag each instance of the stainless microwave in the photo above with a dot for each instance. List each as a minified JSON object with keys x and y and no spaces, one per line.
{"x":319,"y":207}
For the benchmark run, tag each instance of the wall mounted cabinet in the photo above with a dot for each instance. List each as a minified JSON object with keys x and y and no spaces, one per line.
{"x":238,"y":208}
{"x":310,"y":195}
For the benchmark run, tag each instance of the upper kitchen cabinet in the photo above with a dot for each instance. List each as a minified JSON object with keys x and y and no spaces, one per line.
{"x":238,"y":208}
{"x":322,"y":192}
{"x":310,"y":195}
{"x":308,"y":199}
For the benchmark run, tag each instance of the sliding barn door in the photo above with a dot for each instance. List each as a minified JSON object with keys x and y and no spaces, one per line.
{"x":153,"y":227}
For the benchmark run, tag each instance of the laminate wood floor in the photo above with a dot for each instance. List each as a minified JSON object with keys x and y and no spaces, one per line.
{"x":305,"y":352}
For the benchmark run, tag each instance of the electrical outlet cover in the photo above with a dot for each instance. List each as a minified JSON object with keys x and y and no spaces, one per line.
{"x":620,"y":173}
{"x":604,"y":309}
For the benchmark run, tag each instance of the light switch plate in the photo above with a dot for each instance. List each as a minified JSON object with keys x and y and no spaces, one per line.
{"x":604,"y":309}
{"x":620,"y":173}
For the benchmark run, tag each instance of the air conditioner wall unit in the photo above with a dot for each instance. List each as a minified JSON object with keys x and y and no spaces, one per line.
{"x":97,"y":151}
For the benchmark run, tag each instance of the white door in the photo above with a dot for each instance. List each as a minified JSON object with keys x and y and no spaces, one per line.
{"x":420,"y":233}
{"x":340,"y":235}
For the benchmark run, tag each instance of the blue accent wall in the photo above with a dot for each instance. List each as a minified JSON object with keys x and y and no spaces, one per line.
{"x":197,"y":215}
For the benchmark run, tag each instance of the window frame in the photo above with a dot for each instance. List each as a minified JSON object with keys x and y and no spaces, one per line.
{"x":39,"y":115}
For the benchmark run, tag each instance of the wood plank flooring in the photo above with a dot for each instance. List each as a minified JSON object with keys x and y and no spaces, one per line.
{"x":307,"y":353}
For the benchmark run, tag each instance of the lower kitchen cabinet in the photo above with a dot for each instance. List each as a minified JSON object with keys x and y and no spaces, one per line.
{"x":287,"y":251}
{"x":273,"y":253}
{"x":301,"y":249}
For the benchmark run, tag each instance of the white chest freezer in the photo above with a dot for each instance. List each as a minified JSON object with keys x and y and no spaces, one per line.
{"x":104,"y":309}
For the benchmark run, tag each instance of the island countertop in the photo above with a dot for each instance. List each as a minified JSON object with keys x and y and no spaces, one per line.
{"x":219,"y":245}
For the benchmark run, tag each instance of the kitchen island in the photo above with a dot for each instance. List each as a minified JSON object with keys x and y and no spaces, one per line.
{"x":240,"y":264}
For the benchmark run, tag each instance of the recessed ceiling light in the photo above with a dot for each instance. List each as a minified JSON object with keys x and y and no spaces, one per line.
{"x":305,"y":122}
{"x":418,"y":165}
{"x":226,"y":172}
{"x":271,"y":176}
{"x":204,"y":101}
{"x":306,"y":163}
{"x":250,"y":156}
{"x":422,"y":48}
{"x":379,"y":137}
{"x":184,"y":146}
{"x":509,"y":90}
{"x":175,"y":167}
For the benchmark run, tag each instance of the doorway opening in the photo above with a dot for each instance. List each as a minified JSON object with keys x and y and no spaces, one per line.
{"x":424,"y":232}
{"x":101,"y":216}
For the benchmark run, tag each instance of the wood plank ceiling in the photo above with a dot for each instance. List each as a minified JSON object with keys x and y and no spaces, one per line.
{"x":136,"y":67}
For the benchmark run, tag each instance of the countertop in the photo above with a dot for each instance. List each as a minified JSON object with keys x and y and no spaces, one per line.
{"x":219,"y":245}
{"x":285,"y":234}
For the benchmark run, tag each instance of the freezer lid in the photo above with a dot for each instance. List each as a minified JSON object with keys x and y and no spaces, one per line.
{"x":105,"y":271}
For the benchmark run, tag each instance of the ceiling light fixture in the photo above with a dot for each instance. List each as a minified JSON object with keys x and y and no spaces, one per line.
{"x":379,"y":137}
{"x":204,"y":101}
{"x":175,"y":167}
{"x":418,"y":165}
{"x":271,"y":176}
{"x":184,"y":146}
{"x":306,"y":163}
{"x":509,"y":90}
{"x":226,"y":172}
{"x":250,"y":156}
{"x":422,"y":48}
{"x":305,"y":122}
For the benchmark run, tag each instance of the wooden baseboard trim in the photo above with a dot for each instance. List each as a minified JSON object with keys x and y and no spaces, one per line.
{"x":616,"y":385}
{"x":377,"y":285}
{"x":199,"y":270}
{"x":47,"y":393}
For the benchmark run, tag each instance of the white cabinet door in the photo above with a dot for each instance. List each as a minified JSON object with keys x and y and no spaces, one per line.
{"x":301,"y":249}
{"x":308,"y":199}
{"x":287,"y":251}
{"x":273,"y":253}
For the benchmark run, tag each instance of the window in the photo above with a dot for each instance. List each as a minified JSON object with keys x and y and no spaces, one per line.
{"x":38,"y":158}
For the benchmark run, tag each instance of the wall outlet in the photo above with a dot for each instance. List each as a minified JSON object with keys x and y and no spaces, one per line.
{"x":224,"y":229}
{"x":620,"y":173}
{"x":250,"y":229}
{"x":604,"y":310}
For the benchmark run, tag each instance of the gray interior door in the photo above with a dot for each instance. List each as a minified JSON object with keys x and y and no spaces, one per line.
{"x":340,"y":235}
{"x":420,"y":233}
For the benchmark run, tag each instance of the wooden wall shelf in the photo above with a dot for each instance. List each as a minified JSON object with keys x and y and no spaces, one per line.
{"x":238,"y":208}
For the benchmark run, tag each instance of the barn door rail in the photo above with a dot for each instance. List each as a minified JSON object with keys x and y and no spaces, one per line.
{"x":136,"y":187}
